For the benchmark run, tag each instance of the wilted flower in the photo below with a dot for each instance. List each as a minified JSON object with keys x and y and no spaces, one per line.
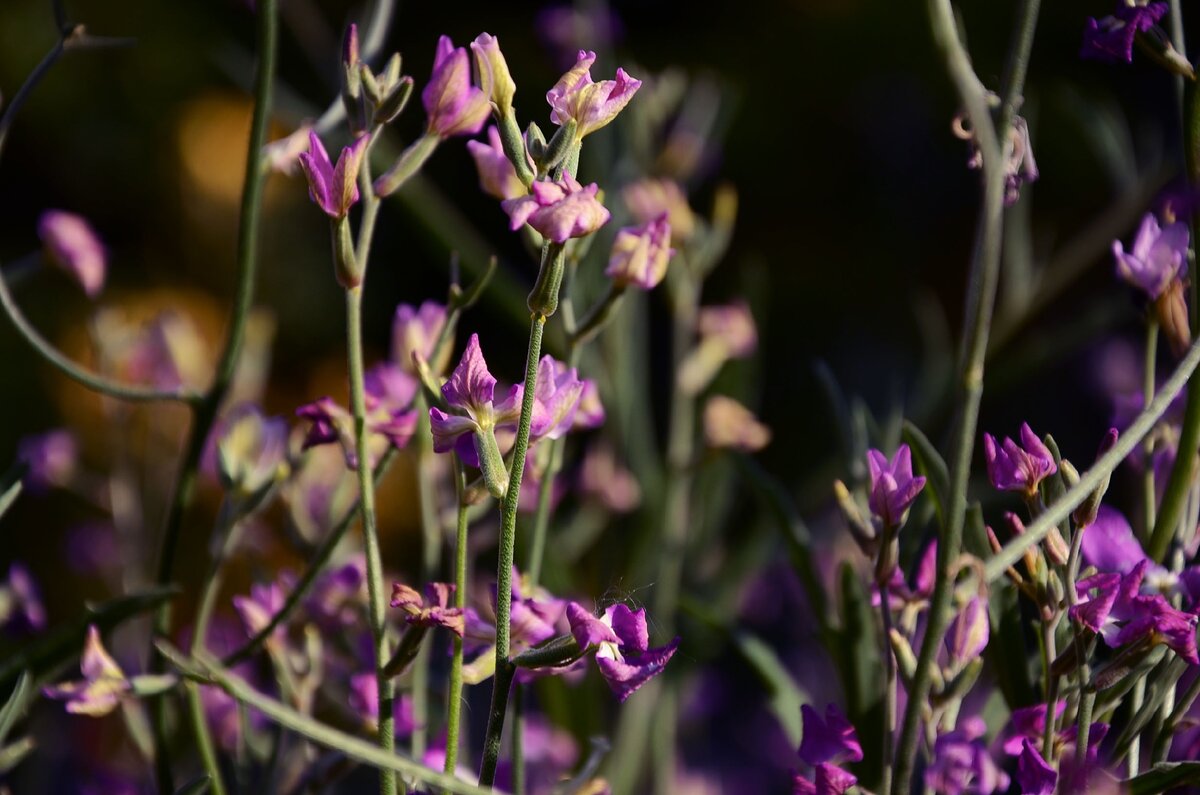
{"x":591,"y":105}
{"x":1111,"y":38}
{"x":251,"y":450}
{"x":72,"y":245}
{"x":621,"y":639}
{"x":893,"y":487}
{"x":414,"y":333}
{"x":21,"y":608}
{"x":558,"y":210}
{"x":640,"y":254}
{"x":51,"y":459}
{"x":497,"y":177}
{"x":390,"y":421}
{"x":333,"y":188}
{"x":103,"y":684}
{"x":452,"y":105}
{"x":437,"y":613}
{"x":648,"y":198}
{"x":1014,"y":468}
{"x":1020,"y":166}
{"x":728,"y":425}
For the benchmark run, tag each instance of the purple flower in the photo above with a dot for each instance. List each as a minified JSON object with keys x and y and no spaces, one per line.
{"x":1109,"y":543}
{"x":334,"y":189}
{"x":1158,"y":256}
{"x":497,"y":177}
{"x":557,"y":393}
{"x":893,"y":487}
{"x":257,"y":609}
{"x":728,"y":425}
{"x":252,"y":449}
{"x":339,"y":595}
{"x":1029,"y":723}
{"x":21,"y":608}
{"x":437,"y":613}
{"x":102,"y":686}
{"x":1014,"y":468}
{"x":731,"y":326}
{"x":558,"y":210}
{"x":389,"y":394}
{"x":535,"y":616}
{"x":827,"y":780}
{"x":1111,"y":38}
{"x":647,"y":199}
{"x":470,"y":392}
{"x":830,"y":740}
{"x":591,"y":105}
{"x":961,"y":763}
{"x":72,"y":245}
{"x":415,"y":330}
{"x":1121,"y":614}
{"x":968,"y":634}
{"x":283,"y":154}
{"x":590,"y":413}
{"x":452,"y":104}
{"x":622,"y":640}
{"x":51,"y":459}
{"x":640,"y":254}
{"x":364,"y":700}
{"x":1034,"y":776}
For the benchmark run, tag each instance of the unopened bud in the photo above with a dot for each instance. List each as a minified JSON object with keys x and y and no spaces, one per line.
{"x":346,"y":267}
{"x":535,"y":142}
{"x":559,"y":145}
{"x":860,"y":528}
{"x":491,"y":463}
{"x":393,"y":104}
{"x":543,"y":299}
{"x":1085,"y":514}
{"x":1171,"y":308}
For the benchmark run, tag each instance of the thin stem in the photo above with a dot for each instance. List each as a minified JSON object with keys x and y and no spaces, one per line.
{"x":205,"y":413}
{"x":1162,"y":743}
{"x":518,"y":750}
{"x":1049,"y":653}
{"x":1135,"y":744}
{"x":454,"y":698}
{"x":889,"y":698}
{"x":1149,"y":497}
{"x":204,"y":743}
{"x":981,"y":297}
{"x":508,"y":531}
{"x":366,"y":489}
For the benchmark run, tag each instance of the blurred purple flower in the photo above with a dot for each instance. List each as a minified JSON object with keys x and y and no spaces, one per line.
{"x":557,"y":393}
{"x":102,"y":686}
{"x":592,"y":105}
{"x":390,"y":420}
{"x":251,"y":449}
{"x":961,"y":764}
{"x":590,"y":413}
{"x":1109,"y":543}
{"x":640,"y":254}
{"x":1111,"y":38}
{"x":602,"y":479}
{"x":21,"y":609}
{"x":415,"y":330}
{"x":893,"y":486}
{"x":1012,"y":467}
{"x":968,"y":634}
{"x":257,"y":609}
{"x":832,"y":739}
{"x":51,"y":459}
{"x":647,"y":199}
{"x":567,"y":29}
{"x":622,"y":640}
{"x":432,"y":611}
{"x":364,"y":700}
{"x":1034,"y":775}
{"x":1158,"y":256}
{"x":559,"y":210}
{"x":827,"y":780}
{"x":728,"y":425}
{"x":72,"y":245}
{"x":333,"y":188}
{"x":452,"y":104}
{"x":497,"y":177}
{"x":339,"y":595}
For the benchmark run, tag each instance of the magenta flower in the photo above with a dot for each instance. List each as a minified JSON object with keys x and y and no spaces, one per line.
{"x":1158,"y":256}
{"x":558,"y":394}
{"x":893,"y":487}
{"x":1034,"y":775}
{"x":497,"y":177}
{"x":257,"y":609}
{"x":535,"y":616}
{"x":21,"y":608}
{"x":968,"y":634}
{"x":1111,"y":38}
{"x":728,"y":425}
{"x":1014,"y":468}
{"x":452,"y":104}
{"x":1109,"y":543}
{"x":558,"y":210}
{"x":827,"y":780}
{"x":961,"y":764}
{"x":333,"y":188}
{"x":621,"y":639}
{"x":364,"y":700}
{"x":390,"y":420}
{"x":415,"y":330}
{"x":103,"y":684}
{"x":339,"y":596}
{"x":825,"y":744}
{"x":591,"y":105}
{"x":640,"y":254}
{"x":72,"y":245}
{"x":469,"y":393}
{"x":433,"y":611}
{"x":51,"y":459}
{"x":590,"y":413}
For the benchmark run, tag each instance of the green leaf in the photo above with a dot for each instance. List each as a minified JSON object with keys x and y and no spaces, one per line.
{"x":786,"y":697}
{"x":200,"y":784}
{"x":930,"y":464}
{"x":1165,"y":776}
{"x":13,"y":755}
{"x":65,"y":643}
{"x":22,"y":696}
{"x":10,"y":486}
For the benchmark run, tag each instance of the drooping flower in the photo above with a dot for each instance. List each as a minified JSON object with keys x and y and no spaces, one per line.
{"x":50,"y":458}
{"x":1015,"y":468}
{"x":1019,"y":168}
{"x":72,"y":245}
{"x":470,"y":392}
{"x":497,"y":177}
{"x":103,"y":684}
{"x":415,"y":330}
{"x":389,"y":416}
{"x":452,"y":104}
{"x":251,"y":450}
{"x":1158,"y":256}
{"x":333,"y":188}
{"x":559,"y":210}
{"x":591,"y":105}
{"x":893,"y":487}
{"x":961,"y":764}
{"x":621,"y":639}
{"x":640,"y":254}
{"x":432,"y":611}
{"x":728,"y":425}
{"x":1111,"y":38}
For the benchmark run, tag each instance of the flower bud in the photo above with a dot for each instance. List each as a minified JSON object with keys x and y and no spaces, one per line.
{"x":491,"y":462}
{"x":345,"y":263}
{"x":394,"y":102}
{"x":1085,"y":514}
{"x":535,"y":141}
{"x":1172,"y":312}
{"x":71,"y":245}
{"x":493,"y":73}
{"x":558,"y":147}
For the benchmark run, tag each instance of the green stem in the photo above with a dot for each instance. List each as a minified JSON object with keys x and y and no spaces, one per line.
{"x":1049,"y":653}
{"x":206,"y":409}
{"x":1148,"y":377}
{"x":889,"y":698}
{"x":204,"y":743}
{"x":508,"y":528}
{"x":518,"y":750}
{"x":1135,"y":744}
{"x":366,"y":488}
{"x":454,"y":698}
{"x":1162,"y":743}
{"x":431,"y":540}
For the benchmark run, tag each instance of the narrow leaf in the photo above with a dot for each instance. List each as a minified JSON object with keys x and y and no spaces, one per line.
{"x":931,"y":465}
{"x":1163,"y":777}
